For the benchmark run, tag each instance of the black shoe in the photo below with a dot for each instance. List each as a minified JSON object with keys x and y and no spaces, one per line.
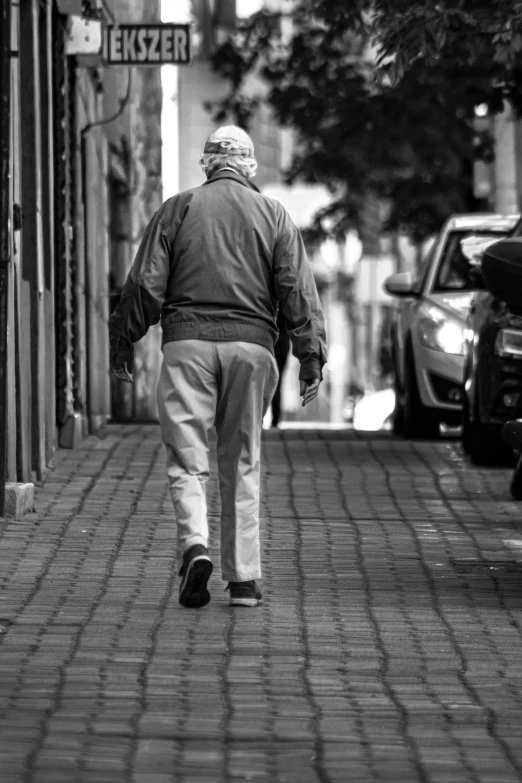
{"x":244,"y":594}
{"x":195,"y":573}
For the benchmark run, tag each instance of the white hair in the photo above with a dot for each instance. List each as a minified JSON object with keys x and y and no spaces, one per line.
{"x":211,"y":162}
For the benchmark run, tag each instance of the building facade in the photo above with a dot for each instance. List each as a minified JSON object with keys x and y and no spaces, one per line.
{"x":84,"y":177}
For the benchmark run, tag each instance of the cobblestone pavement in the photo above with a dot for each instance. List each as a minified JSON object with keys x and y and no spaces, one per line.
{"x":388,"y":647}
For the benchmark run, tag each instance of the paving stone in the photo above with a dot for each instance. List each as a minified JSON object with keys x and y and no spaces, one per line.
{"x":388,"y":647}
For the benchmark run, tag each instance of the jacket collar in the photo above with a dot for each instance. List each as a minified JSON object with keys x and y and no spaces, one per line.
{"x":228,"y":174}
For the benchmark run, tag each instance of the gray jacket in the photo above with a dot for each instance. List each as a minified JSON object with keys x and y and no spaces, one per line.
{"x":213,"y":263}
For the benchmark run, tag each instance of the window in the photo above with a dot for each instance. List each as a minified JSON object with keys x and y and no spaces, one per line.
{"x":423,"y":270}
{"x":456,"y":272}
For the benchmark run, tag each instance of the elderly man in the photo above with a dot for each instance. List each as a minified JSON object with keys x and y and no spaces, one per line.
{"x":215,"y":263}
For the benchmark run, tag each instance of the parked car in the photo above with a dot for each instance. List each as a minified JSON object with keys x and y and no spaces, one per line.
{"x":512,"y":435}
{"x":428,"y":331}
{"x":493,"y":354}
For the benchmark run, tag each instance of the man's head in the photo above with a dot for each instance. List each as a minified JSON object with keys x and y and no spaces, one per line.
{"x":229,"y":147}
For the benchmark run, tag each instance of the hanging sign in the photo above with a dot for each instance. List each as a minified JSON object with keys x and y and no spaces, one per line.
{"x":84,"y":36}
{"x":147,"y":44}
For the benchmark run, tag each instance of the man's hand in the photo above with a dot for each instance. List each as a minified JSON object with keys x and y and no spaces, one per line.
{"x":308,"y":390}
{"x":123,"y":373}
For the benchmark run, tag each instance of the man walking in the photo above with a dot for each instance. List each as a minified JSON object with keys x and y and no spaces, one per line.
{"x":214,"y":264}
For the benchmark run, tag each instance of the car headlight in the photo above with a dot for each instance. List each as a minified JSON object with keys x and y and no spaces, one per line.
{"x":509,"y":343}
{"x":440,"y":332}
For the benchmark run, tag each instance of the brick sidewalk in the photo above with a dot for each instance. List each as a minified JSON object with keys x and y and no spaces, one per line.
{"x":388,"y":648}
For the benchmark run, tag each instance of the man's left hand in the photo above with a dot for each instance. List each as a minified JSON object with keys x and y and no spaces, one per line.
{"x":123,"y":373}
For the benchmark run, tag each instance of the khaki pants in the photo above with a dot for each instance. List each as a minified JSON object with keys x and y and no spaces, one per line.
{"x":229,"y":385}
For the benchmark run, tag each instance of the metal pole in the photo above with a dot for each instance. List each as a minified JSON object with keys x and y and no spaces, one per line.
{"x":5,"y":240}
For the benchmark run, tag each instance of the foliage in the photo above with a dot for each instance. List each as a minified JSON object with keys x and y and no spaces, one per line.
{"x":406,"y":137}
{"x":477,"y":34}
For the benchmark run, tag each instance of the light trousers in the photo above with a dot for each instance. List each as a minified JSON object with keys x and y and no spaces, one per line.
{"x":228,"y":385}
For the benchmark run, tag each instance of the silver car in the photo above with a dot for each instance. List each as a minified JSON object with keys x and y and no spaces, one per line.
{"x":429,"y":329}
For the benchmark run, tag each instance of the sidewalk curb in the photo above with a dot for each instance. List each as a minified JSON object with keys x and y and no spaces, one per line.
{"x":19,"y":499}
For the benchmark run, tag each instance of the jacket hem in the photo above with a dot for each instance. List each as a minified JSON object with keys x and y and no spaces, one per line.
{"x":219,"y":332}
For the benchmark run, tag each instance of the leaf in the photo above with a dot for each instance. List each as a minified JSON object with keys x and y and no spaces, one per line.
{"x":387,"y":116}
{"x":516,"y":43}
{"x":441,"y":39}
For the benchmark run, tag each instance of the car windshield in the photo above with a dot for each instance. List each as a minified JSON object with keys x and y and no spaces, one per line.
{"x":456,"y":272}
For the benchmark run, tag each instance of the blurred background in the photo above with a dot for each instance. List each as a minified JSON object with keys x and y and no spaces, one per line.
{"x":369,"y":147}
{"x":369,"y":186}
{"x":349,"y":268}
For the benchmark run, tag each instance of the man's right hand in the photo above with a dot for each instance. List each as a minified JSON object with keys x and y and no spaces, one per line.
{"x":308,"y":390}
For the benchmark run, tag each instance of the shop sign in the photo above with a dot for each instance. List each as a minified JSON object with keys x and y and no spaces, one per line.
{"x":84,"y":36}
{"x":147,"y":44}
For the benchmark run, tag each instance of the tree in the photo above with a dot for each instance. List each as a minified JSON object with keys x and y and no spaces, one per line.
{"x":479,"y":35}
{"x":400,"y":131}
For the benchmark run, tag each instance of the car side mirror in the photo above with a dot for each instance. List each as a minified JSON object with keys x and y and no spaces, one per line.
{"x":400,"y":284}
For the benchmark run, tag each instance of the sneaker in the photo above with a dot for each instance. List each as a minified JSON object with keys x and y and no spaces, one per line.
{"x":195,"y":573}
{"x":244,"y":594}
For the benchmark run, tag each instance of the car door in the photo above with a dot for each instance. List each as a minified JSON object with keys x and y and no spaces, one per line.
{"x":407,"y":310}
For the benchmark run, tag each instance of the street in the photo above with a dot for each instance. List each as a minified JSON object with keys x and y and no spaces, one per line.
{"x":388,"y":647}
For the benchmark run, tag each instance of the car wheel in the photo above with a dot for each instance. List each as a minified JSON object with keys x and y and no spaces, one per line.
{"x":515,"y":488}
{"x":419,"y":420}
{"x":466,"y":425}
{"x":398,"y":411}
{"x":485,"y":446}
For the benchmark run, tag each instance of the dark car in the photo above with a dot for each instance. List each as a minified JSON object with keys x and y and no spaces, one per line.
{"x":493,"y":353}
